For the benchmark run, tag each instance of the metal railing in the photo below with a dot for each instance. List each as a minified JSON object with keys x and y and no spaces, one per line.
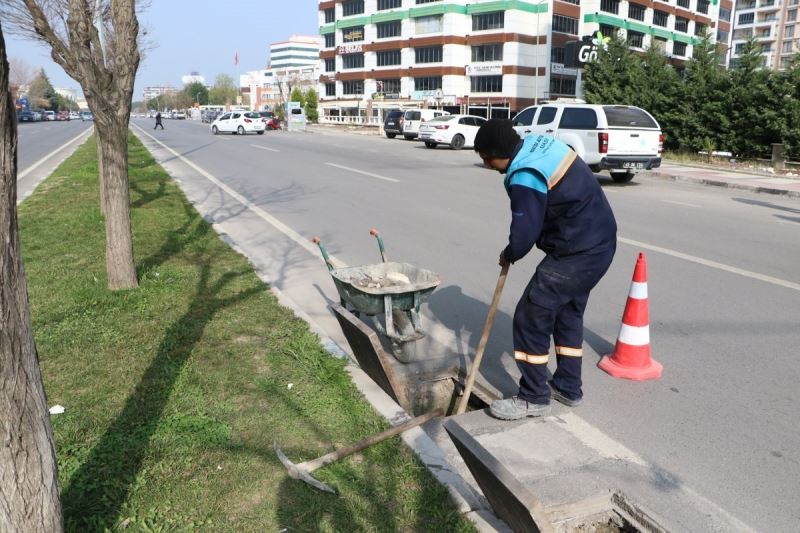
{"x":351,"y":120}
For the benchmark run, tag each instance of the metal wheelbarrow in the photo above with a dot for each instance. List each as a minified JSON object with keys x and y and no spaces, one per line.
{"x":394,"y":290}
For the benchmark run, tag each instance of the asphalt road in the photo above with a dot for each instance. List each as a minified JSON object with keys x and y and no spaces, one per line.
{"x":724,"y":289}
{"x":42,"y":146}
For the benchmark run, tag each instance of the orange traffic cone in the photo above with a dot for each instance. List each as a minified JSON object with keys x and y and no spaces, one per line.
{"x":631,"y":358}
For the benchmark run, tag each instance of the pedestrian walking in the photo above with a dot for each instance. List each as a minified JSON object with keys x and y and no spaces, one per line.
{"x":557,"y":205}
{"x":158,"y":121}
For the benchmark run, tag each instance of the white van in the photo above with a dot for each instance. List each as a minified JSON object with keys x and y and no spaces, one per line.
{"x":49,"y":115}
{"x":619,"y":138}
{"x":412,"y":118}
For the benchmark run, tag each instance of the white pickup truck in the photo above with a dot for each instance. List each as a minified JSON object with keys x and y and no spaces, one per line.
{"x":620,"y":139}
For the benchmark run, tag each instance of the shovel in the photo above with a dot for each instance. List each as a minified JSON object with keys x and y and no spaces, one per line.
{"x":501,"y":281}
{"x":303,"y":470}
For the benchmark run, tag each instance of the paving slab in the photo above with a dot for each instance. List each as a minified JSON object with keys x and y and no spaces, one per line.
{"x":563,"y":461}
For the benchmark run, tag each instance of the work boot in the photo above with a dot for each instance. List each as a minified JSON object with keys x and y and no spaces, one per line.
{"x":515,"y":408}
{"x":559,"y":396}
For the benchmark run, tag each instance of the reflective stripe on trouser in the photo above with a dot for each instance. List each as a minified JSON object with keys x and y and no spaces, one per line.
{"x":533,"y":325}
{"x":553,"y":305}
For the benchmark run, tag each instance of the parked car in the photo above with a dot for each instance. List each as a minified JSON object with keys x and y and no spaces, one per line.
{"x":49,"y":115}
{"x":621,"y":139}
{"x":393,"y":123}
{"x":26,"y":116}
{"x":74,"y":115}
{"x":412,"y":119}
{"x":456,"y":130}
{"x":178,"y":115}
{"x":62,"y":115}
{"x":240,"y":122}
{"x":86,"y":116}
{"x":37,"y":116}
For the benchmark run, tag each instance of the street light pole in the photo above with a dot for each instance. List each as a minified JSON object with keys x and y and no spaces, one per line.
{"x":538,"y":45}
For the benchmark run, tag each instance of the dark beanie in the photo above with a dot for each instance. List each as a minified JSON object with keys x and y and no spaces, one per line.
{"x":497,"y":138}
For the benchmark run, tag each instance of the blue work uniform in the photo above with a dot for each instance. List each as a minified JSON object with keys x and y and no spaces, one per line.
{"x":558,"y":205}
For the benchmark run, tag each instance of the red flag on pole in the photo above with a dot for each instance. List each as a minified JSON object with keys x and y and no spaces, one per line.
{"x":236,"y":58}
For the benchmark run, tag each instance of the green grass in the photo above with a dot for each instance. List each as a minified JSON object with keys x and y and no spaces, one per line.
{"x":175,"y":391}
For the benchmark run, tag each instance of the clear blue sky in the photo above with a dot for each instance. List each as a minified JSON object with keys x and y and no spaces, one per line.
{"x":192,"y":35}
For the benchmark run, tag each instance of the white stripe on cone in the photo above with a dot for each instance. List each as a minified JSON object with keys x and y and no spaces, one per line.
{"x":633,"y":335}
{"x":638,"y":290}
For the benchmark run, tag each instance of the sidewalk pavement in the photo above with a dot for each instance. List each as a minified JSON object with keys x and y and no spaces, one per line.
{"x":735,"y":179}
{"x":751,"y":179}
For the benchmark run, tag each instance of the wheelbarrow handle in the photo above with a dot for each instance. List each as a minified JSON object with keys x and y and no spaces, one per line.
{"x":318,"y":242}
{"x":374,"y":233}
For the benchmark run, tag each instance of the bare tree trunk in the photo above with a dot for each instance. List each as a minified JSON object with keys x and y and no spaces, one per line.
{"x":29,"y":498}
{"x":120,"y":266}
{"x":101,"y":181}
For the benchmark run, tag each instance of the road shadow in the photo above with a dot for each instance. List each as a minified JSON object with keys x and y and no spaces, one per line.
{"x":769,"y":205}
{"x":608,"y":182}
{"x":98,"y":489}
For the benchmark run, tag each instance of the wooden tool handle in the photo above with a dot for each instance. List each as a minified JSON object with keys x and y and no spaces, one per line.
{"x":310,"y":466}
{"x":501,"y":281}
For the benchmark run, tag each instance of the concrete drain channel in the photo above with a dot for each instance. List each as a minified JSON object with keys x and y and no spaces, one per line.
{"x":511,"y":501}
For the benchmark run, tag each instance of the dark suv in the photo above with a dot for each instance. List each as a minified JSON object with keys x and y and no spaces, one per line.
{"x":393,"y":123}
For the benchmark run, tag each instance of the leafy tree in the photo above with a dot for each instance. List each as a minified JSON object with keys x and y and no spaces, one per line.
{"x":786,"y":88}
{"x":755,"y":119}
{"x":615,"y":77}
{"x":703,"y":106}
{"x":41,"y":92}
{"x":665,"y":90}
{"x":312,"y":100}
{"x":223,"y":92}
{"x":197,"y":92}
{"x":296,"y":96}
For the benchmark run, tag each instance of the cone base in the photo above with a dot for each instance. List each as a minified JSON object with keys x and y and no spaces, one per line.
{"x":651,"y":371}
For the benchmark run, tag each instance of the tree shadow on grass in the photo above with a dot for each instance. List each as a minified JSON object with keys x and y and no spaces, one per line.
{"x":97,"y":491}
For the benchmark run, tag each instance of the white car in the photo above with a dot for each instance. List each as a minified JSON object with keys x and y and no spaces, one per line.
{"x":240,"y":122}
{"x":457,"y":131}
{"x":74,"y":115}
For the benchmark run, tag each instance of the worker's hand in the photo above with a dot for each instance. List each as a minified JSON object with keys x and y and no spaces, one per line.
{"x":502,"y":261}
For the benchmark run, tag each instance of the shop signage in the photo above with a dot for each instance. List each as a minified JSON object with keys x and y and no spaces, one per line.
{"x":578,"y":53}
{"x":484,"y":69}
{"x":350,"y":49}
{"x":559,"y":68}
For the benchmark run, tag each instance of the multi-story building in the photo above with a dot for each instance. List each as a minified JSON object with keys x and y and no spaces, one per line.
{"x":452,"y":53}
{"x":193,"y":77}
{"x":675,"y":26}
{"x":468,"y":54}
{"x":772,"y":23}
{"x":292,"y":63}
{"x":298,"y":51}
{"x":153,"y":92}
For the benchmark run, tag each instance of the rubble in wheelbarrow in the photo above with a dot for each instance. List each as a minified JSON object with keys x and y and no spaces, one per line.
{"x":392,"y":279}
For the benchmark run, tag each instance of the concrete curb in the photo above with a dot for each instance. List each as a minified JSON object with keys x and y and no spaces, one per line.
{"x":726,"y":184}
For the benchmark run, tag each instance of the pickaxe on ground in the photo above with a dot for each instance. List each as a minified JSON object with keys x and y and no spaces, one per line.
{"x":303,"y":470}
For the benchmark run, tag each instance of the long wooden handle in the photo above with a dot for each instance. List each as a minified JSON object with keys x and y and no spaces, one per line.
{"x":501,"y":281}
{"x":310,"y":466}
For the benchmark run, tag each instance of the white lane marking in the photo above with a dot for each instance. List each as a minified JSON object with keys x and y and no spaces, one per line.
{"x":370,"y":174}
{"x":280,"y":226}
{"x":264,"y":148}
{"x":51,"y":154}
{"x":713,"y":264}
{"x":680,"y":203}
